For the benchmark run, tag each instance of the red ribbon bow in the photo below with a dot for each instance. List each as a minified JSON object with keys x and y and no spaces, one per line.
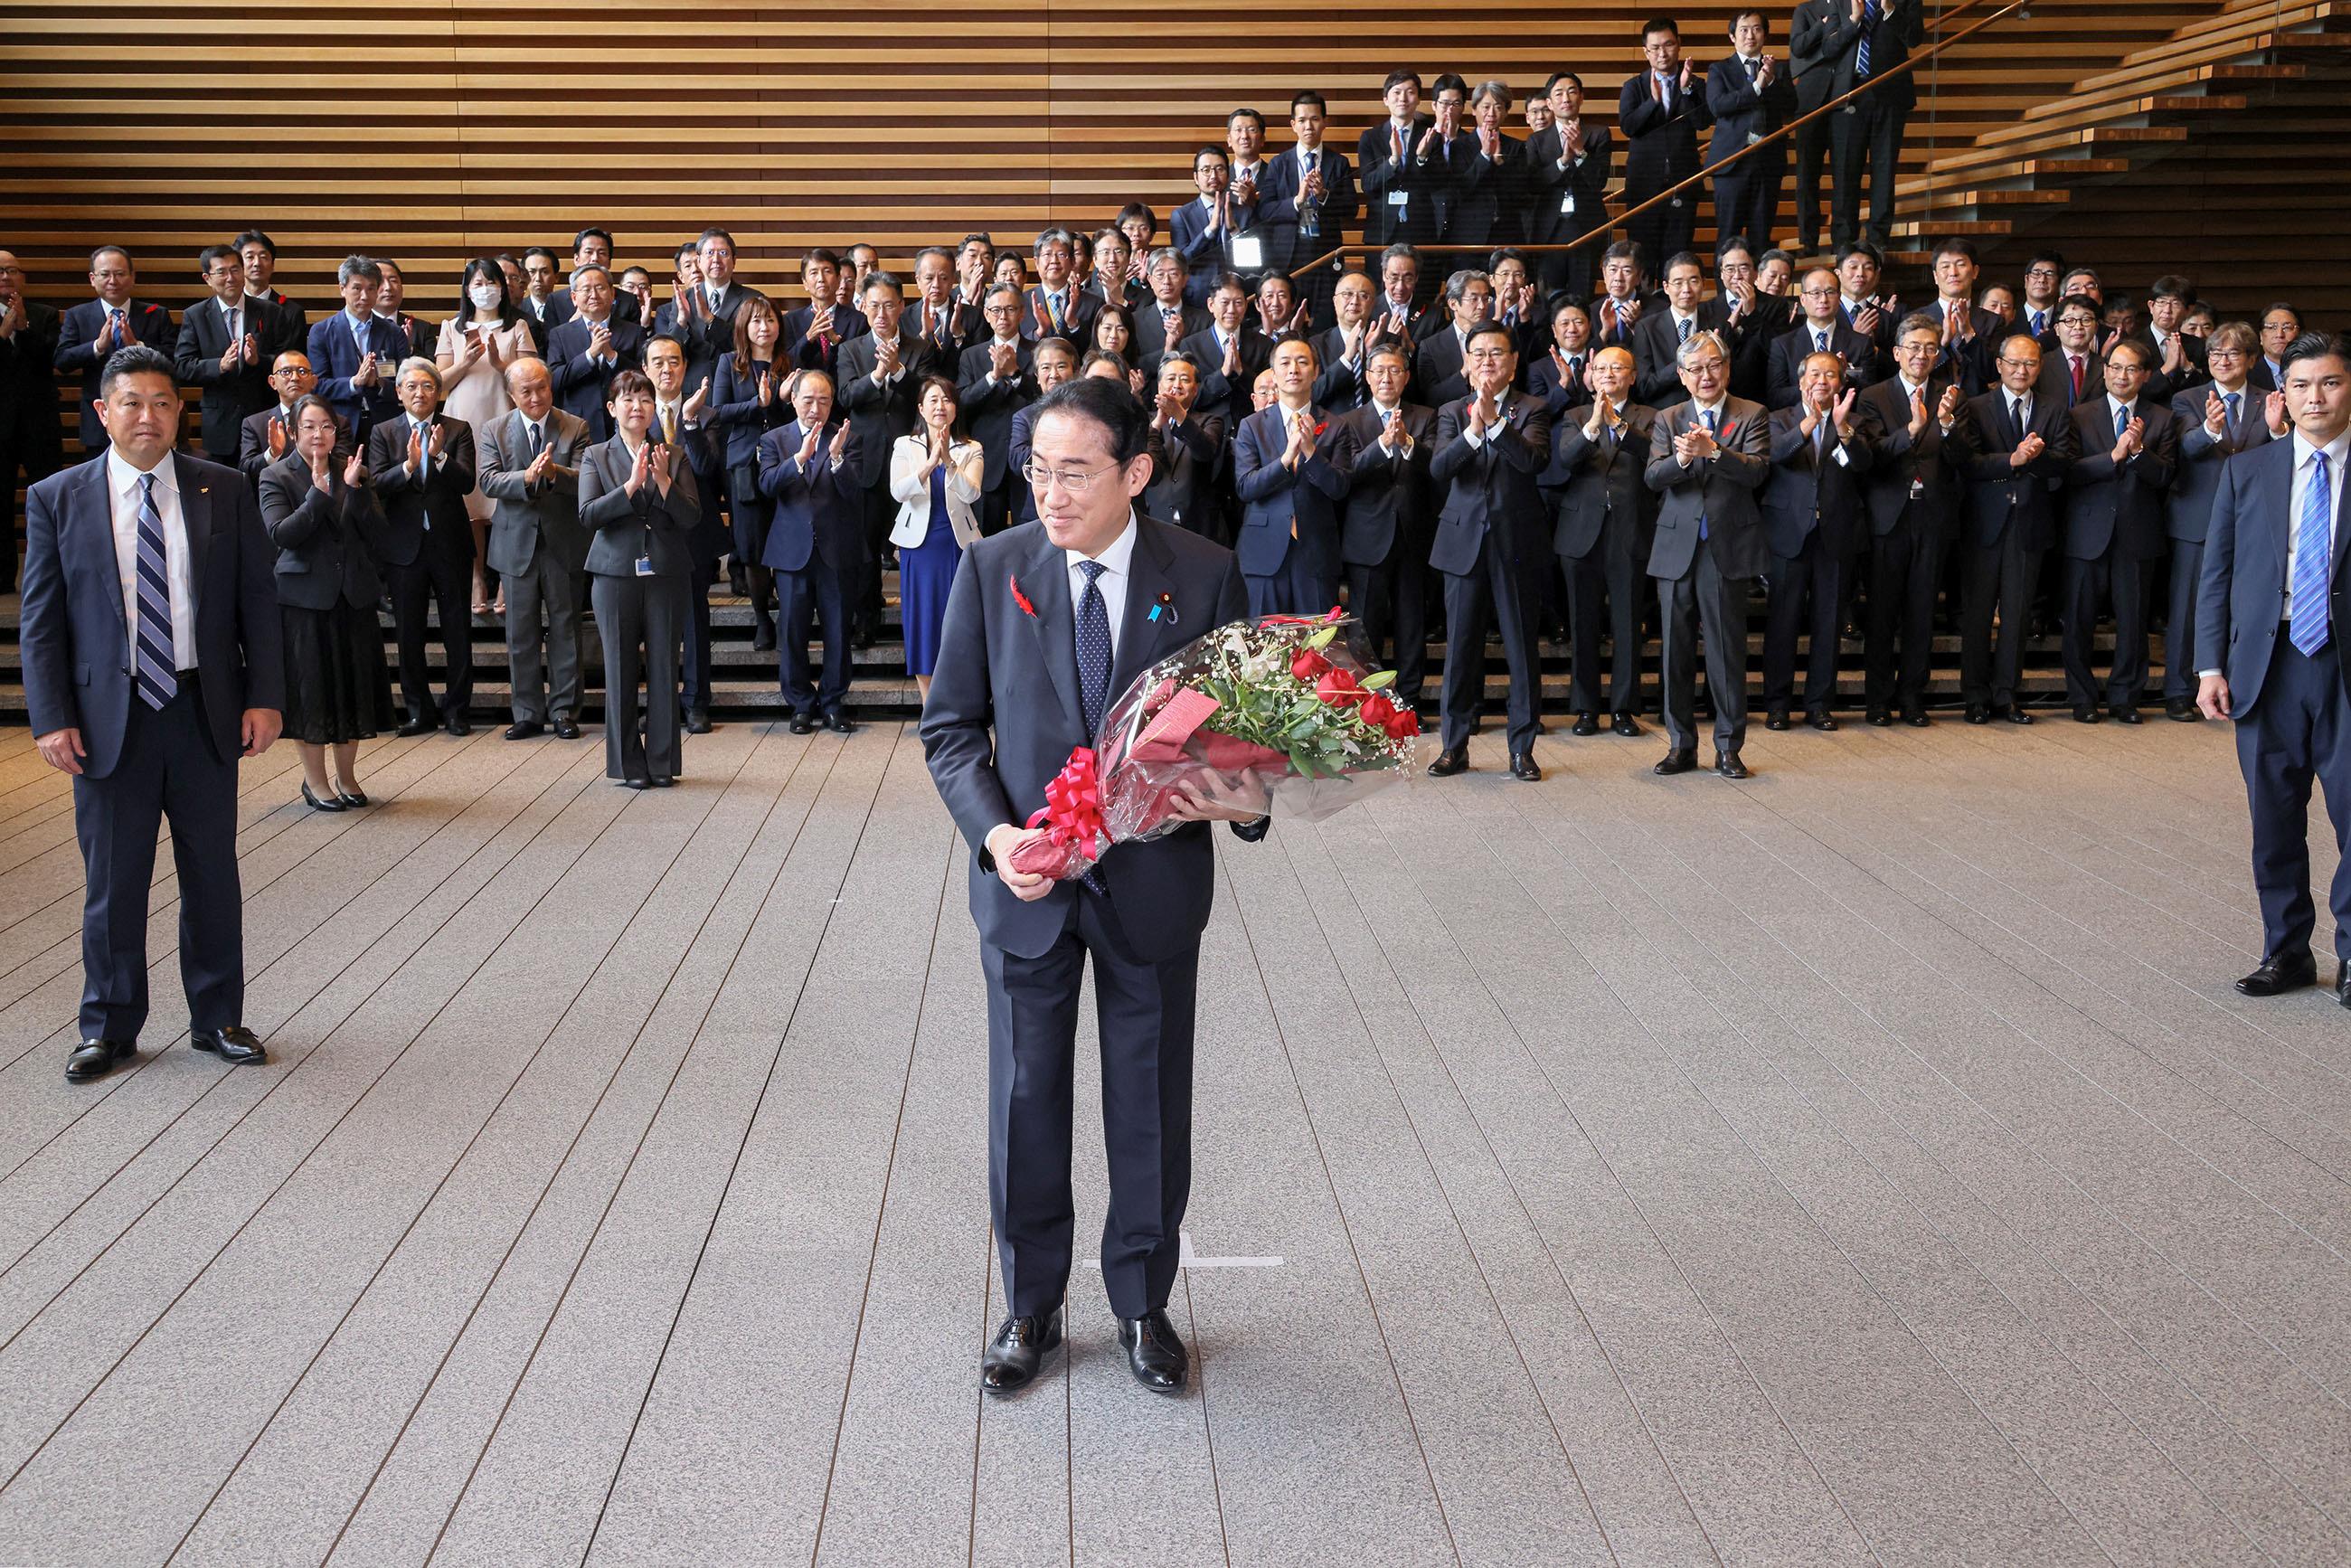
{"x":1072,"y":814}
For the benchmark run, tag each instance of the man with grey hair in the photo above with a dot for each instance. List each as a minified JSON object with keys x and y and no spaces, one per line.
{"x":355,"y":350}
{"x":423,"y":467}
{"x":1436,"y":370}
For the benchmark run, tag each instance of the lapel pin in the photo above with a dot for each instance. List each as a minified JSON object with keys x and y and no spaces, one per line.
{"x":1164,"y":610}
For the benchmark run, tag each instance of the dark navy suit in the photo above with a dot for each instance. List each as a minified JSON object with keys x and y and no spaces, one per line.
{"x":1493,"y":544}
{"x":815,"y":540}
{"x":2012,"y":519}
{"x":1747,"y":194}
{"x":79,"y":330}
{"x":335,"y":356}
{"x":1606,"y":521}
{"x":1811,"y":517}
{"x":145,"y":766}
{"x":1288,"y":543}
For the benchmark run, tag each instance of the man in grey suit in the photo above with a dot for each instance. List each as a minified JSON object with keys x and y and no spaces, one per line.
{"x":2276,"y":540}
{"x":1046,"y":623}
{"x":1706,"y":458}
{"x":531,"y":467}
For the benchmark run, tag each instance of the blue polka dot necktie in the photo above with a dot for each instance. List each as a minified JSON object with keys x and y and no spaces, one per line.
{"x":1093,"y":665}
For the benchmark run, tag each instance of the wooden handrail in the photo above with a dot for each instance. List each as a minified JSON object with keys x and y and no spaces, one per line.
{"x":2005,"y":8}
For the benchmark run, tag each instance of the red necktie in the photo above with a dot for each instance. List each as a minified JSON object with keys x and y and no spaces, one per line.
{"x":2076,"y":360}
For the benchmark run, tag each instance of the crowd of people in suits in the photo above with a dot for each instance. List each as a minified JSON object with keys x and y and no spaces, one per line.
{"x":1611,"y":442}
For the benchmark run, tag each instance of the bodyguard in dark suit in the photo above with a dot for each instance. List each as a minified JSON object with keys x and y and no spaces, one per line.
{"x":2216,"y":420}
{"x":149,"y":697}
{"x":1660,"y":112}
{"x":1707,"y":458}
{"x":1493,"y":545}
{"x":1866,"y":136}
{"x":2113,"y":528}
{"x":1813,"y":517}
{"x":224,"y":348}
{"x":1606,"y":524}
{"x":92,"y":331}
{"x":1913,"y":492}
{"x":1568,"y":164}
{"x":1817,"y":40}
{"x":1046,"y":625}
{"x":1289,"y":473}
{"x":529,"y":462}
{"x":589,"y":348}
{"x":1385,"y":530}
{"x":1748,"y":98}
{"x":29,"y":440}
{"x":422,"y":465}
{"x":355,"y":353}
{"x":2018,"y":447}
{"x":816,"y":541}
{"x":2272,"y":597}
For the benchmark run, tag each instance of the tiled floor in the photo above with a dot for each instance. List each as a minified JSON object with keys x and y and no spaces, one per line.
{"x":1867,"y":1163}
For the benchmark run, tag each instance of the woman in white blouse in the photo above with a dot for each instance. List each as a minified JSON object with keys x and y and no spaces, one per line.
{"x":934,"y":473}
{"x":477,"y":344}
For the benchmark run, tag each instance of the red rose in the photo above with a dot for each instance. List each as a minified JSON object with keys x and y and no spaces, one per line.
{"x":1377,"y":710}
{"x":1338,"y":688}
{"x":1404,"y":726}
{"x":1309,"y":665}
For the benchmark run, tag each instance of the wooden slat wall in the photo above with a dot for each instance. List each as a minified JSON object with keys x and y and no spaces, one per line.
{"x":431,"y":131}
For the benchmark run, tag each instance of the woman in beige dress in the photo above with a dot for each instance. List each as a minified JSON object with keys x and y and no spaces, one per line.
{"x":477,"y":346}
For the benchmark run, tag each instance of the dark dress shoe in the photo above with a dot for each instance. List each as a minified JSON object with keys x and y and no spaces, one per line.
{"x":1020,"y":1348}
{"x":1154,"y":1353}
{"x":524,"y":729}
{"x":2343,"y":982}
{"x":2085,"y":714}
{"x":838,"y":722}
{"x":763,"y":636}
{"x":662,"y":781}
{"x":1879,"y":718}
{"x":334,"y":802}
{"x":1727,"y":763}
{"x":2015,"y":714}
{"x":235,"y":1045}
{"x":567,"y":728}
{"x":1625,"y":725}
{"x":2278,"y":975}
{"x":459,"y":726}
{"x":418,"y":725}
{"x":1675,"y":762}
{"x":1916,"y":718}
{"x":697,"y":721}
{"x":1776,"y":719}
{"x":629,"y":783}
{"x":1524,"y":765}
{"x":2182,"y":710}
{"x":1979,"y":713}
{"x":1451,"y":760}
{"x":803,"y":723}
{"x":2124,"y":714}
{"x":1825,"y":722}
{"x":1586,"y":723}
{"x":97,"y":1058}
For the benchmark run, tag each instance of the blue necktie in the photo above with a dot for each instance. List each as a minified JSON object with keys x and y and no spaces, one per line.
{"x":2312,"y":555}
{"x":1868,"y":25}
{"x":2232,"y":399}
{"x":1820,"y":341}
{"x":2040,"y":322}
{"x":2122,"y":420}
{"x":1708,"y":417}
{"x":159,"y":680}
{"x":1093,"y":665}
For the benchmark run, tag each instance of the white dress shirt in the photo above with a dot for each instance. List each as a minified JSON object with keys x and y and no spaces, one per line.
{"x":122,"y":491}
{"x":1115,"y":561}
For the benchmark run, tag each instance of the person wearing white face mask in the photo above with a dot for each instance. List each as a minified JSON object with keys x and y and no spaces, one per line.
{"x":486,"y":335}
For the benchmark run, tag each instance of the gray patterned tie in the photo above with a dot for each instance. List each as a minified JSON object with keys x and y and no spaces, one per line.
{"x":159,"y":680}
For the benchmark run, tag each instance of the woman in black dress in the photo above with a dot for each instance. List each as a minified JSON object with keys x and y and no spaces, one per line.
{"x":324,"y":518}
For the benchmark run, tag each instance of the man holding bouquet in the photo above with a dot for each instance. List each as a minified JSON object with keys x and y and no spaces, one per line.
{"x":1046,"y":623}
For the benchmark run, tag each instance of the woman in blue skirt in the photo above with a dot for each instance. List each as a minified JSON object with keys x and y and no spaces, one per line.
{"x":936,"y":474}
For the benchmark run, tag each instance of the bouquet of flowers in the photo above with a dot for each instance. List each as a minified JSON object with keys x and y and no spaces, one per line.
{"x":1278,"y":710}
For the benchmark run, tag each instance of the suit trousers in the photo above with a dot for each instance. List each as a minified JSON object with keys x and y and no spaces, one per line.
{"x":1747,"y":198}
{"x":641,"y":621}
{"x":1866,"y":142}
{"x":2180,"y":651}
{"x":2002,"y":575}
{"x":1812,"y":151}
{"x":1504,"y":587}
{"x":2088,"y":583}
{"x":2299,"y":729}
{"x":1571,"y":270}
{"x":1663,"y":231}
{"x":1293,"y":590}
{"x":1807,"y":595}
{"x":1906,"y":565}
{"x":1390,"y":602}
{"x":1143,"y":1012}
{"x":1703,"y":600}
{"x":1591,"y":578}
{"x":167,"y":773}
{"x":438,"y":582}
{"x":39,"y":452}
{"x":880,"y":514}
{"x":549,"y":595}
{"x":812,"y":594}
{"x":694,"y":673}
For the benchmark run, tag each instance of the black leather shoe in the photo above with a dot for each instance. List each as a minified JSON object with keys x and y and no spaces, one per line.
{"x":763,"y":635}
{"x":2182,"y":710}
{"x":1727,"y":763}
{"x":697,"y":721}
{"x":1675,"y":762}
{"x":1154,"y":1353}
{"x":2085,"y":714}
{"x":1916,"y":718}
{"x":838,"y":722}
{"x":1979,"y":713}
{"x":418,"y":725}
{"x":2124,"y":714}
{"x":353,"y":799}
{"x":629,"y":783}
{"x":661,"y":781}
{"x":1625,"y":725}
{"x":2278,"y":975}
{"x":524,"y":729}
{"x":1824,"y":721}
{"x":1012,"y":1359}
{"x":235,"y":1045}
{"x":1776,"y":719}
{"x":2343,"y":983}
{"x":334,"y":802}
{"x":97,"y":1058}
{"x":803,"y":723}
{"x":567,"y":728}
{"x":1451,"y":760}
{"x":1586,"y":723}
{"x":2015,"y":714}
{"x":1524,"y":765}
{"x":459,"y":726}
{"x":1879,"y":718}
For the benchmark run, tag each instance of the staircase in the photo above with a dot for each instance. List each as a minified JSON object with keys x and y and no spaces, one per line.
{"x":2252,"y":72}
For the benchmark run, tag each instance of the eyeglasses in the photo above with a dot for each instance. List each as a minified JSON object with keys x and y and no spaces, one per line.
{"x":1076,"y":481}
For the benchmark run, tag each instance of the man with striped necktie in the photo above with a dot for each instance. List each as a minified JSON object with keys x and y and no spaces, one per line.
{"x":2272,"y":596}
{"x":147,"y":691}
